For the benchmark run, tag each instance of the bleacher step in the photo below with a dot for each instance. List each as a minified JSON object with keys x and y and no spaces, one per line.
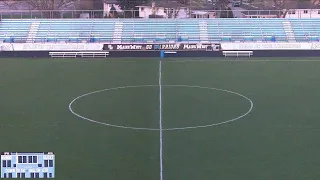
{"x":117,"y":33}
{"x":33,"y":32}
{"x":289,"y":31}
{"x":203,"y":30}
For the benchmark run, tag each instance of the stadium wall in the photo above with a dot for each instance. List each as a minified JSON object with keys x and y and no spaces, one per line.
{"x":153,"y":50}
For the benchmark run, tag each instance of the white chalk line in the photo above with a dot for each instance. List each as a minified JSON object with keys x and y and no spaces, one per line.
{"x":197,"y":60}
{"x":160,"y":118}
{"x":163,"y":129}
{"x":241,"y":60}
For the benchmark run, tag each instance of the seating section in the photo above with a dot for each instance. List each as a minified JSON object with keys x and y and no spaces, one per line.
{"x":73,"y":30}
{"x":63,"y":30}
{"x":245,"y":30}
{"x":306,"y":29}
{"x":101,"y":30}
{"x":14,"y":30}
{"x":188,"y":30}
{"x":157,"y":30}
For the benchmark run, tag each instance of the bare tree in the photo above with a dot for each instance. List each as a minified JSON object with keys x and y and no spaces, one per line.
{"x":280,"y":4}
{"x":47,"y":8}
{"x":222,"y":4}
{"x":40,"y":4}
{"x":315,"y":2}
{"x":312,"y":2}
{"x":175,"y":6}
{"x":50,"y":4}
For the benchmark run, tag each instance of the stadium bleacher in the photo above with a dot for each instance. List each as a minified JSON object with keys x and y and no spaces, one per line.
{"x":157,"y":30}
{"x":13,"y":31}
{"x":306,"y":29}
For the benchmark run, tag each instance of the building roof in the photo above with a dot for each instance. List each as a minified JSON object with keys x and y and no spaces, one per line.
{"x":110,"y":1}
{"x":165,"y":4}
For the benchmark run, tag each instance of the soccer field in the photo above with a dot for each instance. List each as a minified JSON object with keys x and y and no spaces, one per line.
{"x":175,"y":119}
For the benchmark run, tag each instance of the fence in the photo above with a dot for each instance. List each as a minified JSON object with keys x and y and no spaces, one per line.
{"x":190,"y":13}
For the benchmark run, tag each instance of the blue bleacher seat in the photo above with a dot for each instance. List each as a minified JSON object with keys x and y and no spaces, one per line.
{"x":160,"y":30}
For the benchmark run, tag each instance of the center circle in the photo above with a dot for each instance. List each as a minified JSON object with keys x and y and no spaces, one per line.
{"x":248,"y":107}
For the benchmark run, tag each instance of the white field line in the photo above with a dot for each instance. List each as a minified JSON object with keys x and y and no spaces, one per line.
{"x":179,"y":60}
{"x":160,"y":118}
{"x":238,"y":60}
{"x":157,"y":129}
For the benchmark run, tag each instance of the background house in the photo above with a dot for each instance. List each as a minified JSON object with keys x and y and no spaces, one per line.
{"x":171,"y":9}
{"x":206,"y":11}
{"x":302,"y":10}
{"x":109,"y":6}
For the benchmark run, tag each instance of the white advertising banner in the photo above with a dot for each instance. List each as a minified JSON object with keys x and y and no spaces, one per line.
{"x":50,"y":46}
{"x":270,"y":46}
{"x":315,"y":46}
{"x":99,"y":46}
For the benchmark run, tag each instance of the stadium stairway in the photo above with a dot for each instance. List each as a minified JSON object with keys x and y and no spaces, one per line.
{"x":203,"y":29}
{"x":117,"y":34}
{"x":33,"y":32}
{"x":289,"y":31}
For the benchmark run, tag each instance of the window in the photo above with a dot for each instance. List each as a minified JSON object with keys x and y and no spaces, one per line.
{"x":32,"y":175}
{"x":23,"y":175}
{"x":45,"y":163}
{"x":4,"y":164}
{"x":35,"y":159}
{"x":24,"y":159}
{"x":5,"y":175}
{"x":305,"y":11}
{"x":50,"y":163}
{"x":19,"y":159}
{"x":37,"y":175}
{"x":39,"y":165}
{"x":14,"y":165}
{"x":50,"y":175}
{"x":10,"y":175}
{"x":9,"y":163}
{"x":18,"y":175}
{"x":292,"y":12}
{"x":29,"y":159}
{"x":45,"y":175}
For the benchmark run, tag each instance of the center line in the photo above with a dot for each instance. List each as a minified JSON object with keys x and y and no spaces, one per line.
{"x":160,"y":117}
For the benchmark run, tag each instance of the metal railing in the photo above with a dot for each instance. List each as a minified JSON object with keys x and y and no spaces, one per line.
{"x":132,"y":40}
{"x":190,"y":13}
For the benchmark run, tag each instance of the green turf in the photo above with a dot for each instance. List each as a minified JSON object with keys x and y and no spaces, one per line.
{"x":279,"y":139}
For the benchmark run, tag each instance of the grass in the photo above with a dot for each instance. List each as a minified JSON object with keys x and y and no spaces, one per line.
{"x":277,"y":140}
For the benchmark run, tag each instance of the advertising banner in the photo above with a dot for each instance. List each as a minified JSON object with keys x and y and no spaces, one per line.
{"x":269,"y":46}
{"x":159,"y":47}
{"x":51,"y":46}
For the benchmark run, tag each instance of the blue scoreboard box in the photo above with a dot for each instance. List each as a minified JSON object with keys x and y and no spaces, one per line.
{"x":27,"y":165}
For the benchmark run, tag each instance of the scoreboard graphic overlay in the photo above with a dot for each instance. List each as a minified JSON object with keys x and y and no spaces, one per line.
{"x":27,"y":165}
